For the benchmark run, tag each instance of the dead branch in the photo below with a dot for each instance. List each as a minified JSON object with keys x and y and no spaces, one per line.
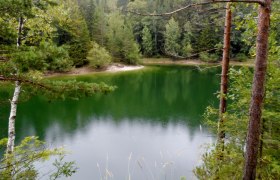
{"x":261,"y":2}
{"x":175,"y":56}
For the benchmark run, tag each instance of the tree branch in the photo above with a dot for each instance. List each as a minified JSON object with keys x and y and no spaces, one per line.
{"x":175,"y":56}
{"x":21,"y":80}
{"x":261,"y":2}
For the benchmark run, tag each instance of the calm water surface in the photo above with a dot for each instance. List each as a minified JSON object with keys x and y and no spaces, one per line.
{"x":149,"y":128}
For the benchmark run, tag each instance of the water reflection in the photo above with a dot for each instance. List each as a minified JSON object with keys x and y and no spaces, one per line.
{"x":154,"y":116}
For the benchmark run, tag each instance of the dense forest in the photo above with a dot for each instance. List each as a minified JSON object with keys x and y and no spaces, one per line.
{"x":97,"y":32}
{"x":45,"y":36}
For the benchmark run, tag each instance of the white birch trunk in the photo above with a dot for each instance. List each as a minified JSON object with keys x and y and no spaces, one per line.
{"x":12,"y":119}
{"x":13,"y":112}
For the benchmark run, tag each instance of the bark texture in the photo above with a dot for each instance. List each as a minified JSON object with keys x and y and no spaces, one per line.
{"x":12,"y":119}
{"x":224,"y":75}
{"x":254,"y":129}
{"x":13,"y":113}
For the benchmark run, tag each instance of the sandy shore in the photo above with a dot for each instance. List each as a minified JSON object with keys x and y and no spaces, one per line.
{"x":88,"y":70}
{"x":118,"y":68}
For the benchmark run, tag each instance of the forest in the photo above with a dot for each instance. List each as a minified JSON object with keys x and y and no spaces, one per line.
{"x":42,"y":38}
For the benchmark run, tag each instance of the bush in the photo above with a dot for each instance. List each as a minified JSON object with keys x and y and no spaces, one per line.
{"x":131,"y":54}
{"x":47,"y":56}
{"x":98,"y":57}
{"x":55,"y":57}
{"x":206,"y":57}
{"x":187,"y":50}
{"x":20,"y":164}
{"x":78,"y":52}
{"x":241,"y":57}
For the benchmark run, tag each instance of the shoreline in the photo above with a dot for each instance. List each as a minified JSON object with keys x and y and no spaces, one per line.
{"x":117,"y":67}
{"x":88,"y":70}
{"x":192,"y":62}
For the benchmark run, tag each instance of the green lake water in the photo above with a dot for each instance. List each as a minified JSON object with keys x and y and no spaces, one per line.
{"x":149,"y":128}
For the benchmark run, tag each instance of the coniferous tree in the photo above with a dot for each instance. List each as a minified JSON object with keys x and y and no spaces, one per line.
{"x":120,"y":39}
{"x":147,"y":41}
{"x":71,"y":30}
{"x":172,"y":37}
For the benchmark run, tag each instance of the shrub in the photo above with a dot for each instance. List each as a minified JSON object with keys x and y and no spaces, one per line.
{"x":55,"y":57}
{"x":206,"y":57}
{"x":21,"y":163}
{"x":187,"y":50}
{"x":98,"y":57}
{"x":131,"y":54}
{"x":241,"y":57}
{"x":47,"y":56}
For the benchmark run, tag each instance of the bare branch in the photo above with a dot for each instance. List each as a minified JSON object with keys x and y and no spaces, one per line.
{"x":175,"y":56}
{"x":261,"y":2}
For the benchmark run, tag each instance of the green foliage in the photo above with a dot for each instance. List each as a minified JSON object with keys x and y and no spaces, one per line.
{"x":88,"y":9}
{"x":246,"y":23}
{"x":172,"y":37}
{"x":183,"y":178}
{"x":12,"y":10}
{"x":55,"y":89}
{"x":186,"y":43}
{"x":47,"y":56}
{"x":71,"y":29}
{"x":241,"y":57}
{"x":235,"y":126}
{"x":207,"y":57}
{"x":66,"y":169}
{"x":187,"y":50}
{"x":56,"y":57}
{"x":20,"y":164}
{"x":207,"y":38}
{"x":18,"y":8}
{"x":147,"y":41}
{"x":120,"y":40}
{"x":98,"y":56}
{"x":7,"y":33}
{"x":230,"y":166}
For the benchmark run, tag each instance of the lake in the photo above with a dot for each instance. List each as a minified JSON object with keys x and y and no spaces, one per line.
{"x":149,"y":128}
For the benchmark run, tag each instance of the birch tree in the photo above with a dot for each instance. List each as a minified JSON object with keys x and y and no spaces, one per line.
{"x":11,"y":69}
{"x":11,"y":131}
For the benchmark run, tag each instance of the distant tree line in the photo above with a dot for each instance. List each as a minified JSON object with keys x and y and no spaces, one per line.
{"x":68,"y":28}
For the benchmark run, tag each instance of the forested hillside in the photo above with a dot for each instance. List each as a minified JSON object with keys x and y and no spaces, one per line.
{"x":127,"y":31}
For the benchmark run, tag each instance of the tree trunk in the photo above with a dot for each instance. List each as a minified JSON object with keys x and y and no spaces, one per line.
{"x":261,"y":146}
{"x":253,"y":136}
{"x":12,"y":119}
{"x":224,"y":76}
{"x":20,"y":26}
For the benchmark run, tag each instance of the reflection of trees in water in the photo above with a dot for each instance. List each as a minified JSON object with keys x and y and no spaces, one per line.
{"x":160,"y":96}
{"x":171,"y":86}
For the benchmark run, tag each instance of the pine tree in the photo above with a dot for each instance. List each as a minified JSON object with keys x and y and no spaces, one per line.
{"x":147,"y":41}
{"x":172,"y":37}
